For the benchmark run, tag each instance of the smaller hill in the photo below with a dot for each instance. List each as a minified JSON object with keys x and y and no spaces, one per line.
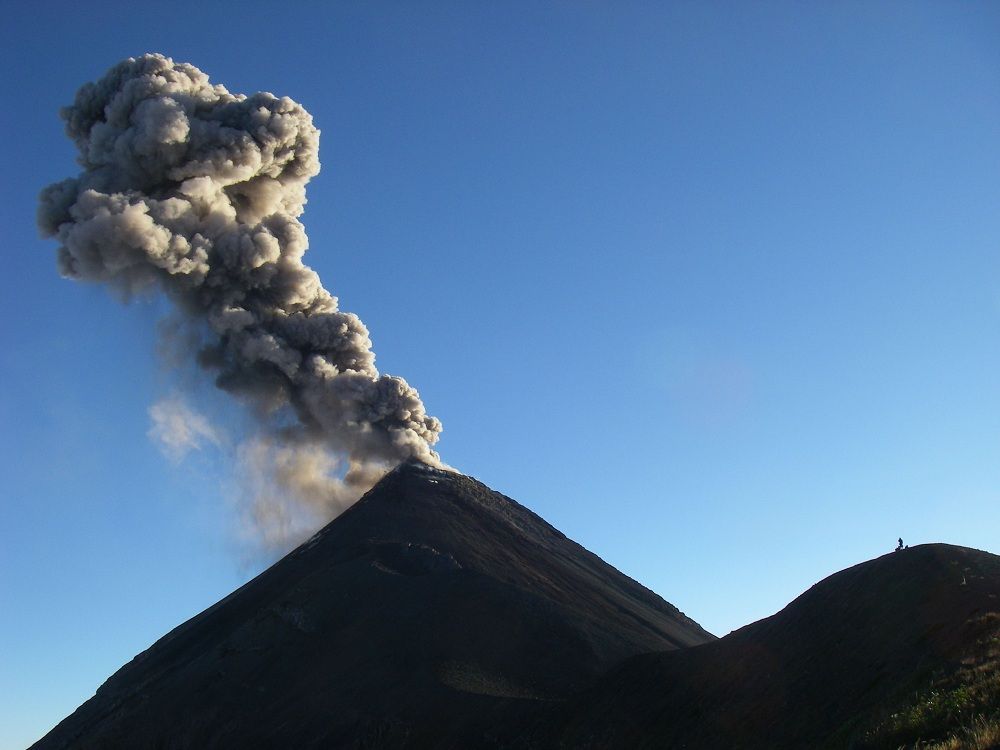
{"x":900,"y":648}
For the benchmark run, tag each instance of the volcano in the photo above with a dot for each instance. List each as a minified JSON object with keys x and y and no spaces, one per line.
{"x":435,"y":612}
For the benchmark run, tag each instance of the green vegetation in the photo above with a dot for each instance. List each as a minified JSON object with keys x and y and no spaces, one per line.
{"x":957,"y":710}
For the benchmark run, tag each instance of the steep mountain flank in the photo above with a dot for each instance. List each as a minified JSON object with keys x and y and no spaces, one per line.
{"x":435,"y":612}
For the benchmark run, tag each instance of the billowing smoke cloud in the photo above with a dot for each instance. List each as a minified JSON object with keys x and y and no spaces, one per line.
{"x":197,"y":192}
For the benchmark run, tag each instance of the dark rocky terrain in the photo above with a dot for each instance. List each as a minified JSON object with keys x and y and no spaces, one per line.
{"x":436,"y":613}
{"x":820,"y":673}
{"x":433,"y":613}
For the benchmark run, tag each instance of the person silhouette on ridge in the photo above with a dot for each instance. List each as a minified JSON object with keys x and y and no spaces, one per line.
{"x":900,"y":545}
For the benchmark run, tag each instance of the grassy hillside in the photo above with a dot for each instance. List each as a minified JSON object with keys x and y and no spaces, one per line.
{"x":957,"y":708}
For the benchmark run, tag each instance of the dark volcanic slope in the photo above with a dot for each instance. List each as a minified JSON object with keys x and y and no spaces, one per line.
{"x":811,"y":676}
{"x":435,"y":612}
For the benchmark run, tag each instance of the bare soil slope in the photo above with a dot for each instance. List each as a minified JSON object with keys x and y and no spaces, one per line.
{"x":433,"y":613}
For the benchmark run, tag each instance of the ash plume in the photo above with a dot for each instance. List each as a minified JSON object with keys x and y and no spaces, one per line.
{"x":195,"y":192}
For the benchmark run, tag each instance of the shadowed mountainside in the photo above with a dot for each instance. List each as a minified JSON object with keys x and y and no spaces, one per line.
{"x":436,"y":613}
{"x":433,"y":613}
{"x":854,"y":648}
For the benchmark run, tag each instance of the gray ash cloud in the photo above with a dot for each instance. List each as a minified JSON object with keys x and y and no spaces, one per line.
{"x":190,"y":190}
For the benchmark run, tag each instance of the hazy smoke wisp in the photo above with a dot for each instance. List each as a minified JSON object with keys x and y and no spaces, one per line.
{"x":197,"y":192}
{"x":178,"y":429}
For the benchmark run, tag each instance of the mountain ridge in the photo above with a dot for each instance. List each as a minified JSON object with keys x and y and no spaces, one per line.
{"x":438,"y":613}
{"x":818,"y":673}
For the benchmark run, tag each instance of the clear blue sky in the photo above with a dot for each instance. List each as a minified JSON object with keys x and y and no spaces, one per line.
{"x":712,"y":287}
